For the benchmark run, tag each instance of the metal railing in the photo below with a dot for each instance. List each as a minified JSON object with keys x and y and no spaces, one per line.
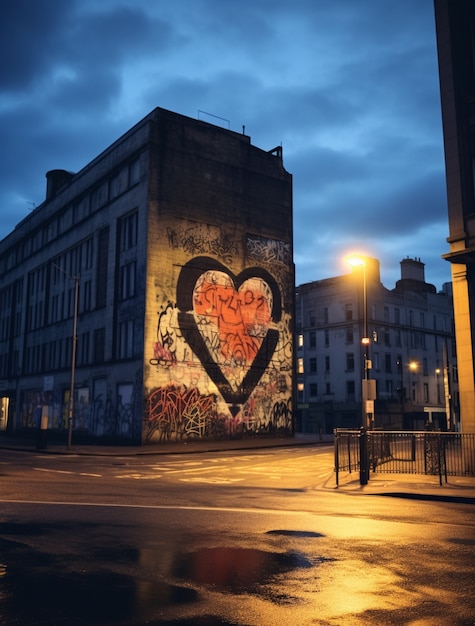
{"x":404,"y":452}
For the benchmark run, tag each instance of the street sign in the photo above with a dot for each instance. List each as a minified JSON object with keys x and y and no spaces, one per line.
{"x":368,"y":389}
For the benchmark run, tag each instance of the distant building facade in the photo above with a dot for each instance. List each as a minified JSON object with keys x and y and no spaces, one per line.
{"x":410,"y":354}
{"x":455,"y":27}
{"x":178,"y":238}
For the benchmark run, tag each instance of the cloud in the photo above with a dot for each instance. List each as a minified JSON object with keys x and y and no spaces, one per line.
{"x":350,"y":90}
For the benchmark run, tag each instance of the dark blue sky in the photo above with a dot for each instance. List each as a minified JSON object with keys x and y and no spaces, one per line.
{"x":349,"y":88}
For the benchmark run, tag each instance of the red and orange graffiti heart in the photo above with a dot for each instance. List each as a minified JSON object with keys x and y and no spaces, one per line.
{"x":240,"y":317}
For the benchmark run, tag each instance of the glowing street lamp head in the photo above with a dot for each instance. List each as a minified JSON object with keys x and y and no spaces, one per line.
{"x":355,"y":260}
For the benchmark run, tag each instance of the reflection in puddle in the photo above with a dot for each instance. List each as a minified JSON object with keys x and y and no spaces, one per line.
{"x":236,"y":569}
{"x":122,"y":584}
{"x":295,"y":533}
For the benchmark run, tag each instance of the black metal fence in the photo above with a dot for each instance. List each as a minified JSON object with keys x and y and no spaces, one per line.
{"x":404,"y":452}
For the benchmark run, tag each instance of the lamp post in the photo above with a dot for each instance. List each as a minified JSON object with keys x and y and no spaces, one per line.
{"x":73,"y":352}
{"x":368,"y":386}
{"x":437,"y":385}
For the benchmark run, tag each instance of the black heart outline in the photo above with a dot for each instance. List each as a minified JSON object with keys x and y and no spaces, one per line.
{"x":189,"y":274}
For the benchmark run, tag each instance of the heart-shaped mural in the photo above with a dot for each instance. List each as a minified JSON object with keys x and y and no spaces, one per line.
{"x":230,"y":323}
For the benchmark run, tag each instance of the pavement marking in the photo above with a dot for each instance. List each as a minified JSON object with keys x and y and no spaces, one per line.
{"x":212,"y":481}
{"x":166,"y":507}
{"x":54,"y":471}
{"x":140,"y":476}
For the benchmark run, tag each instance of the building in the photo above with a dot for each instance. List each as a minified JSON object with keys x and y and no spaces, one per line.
{"x":158,"y":285}
{"x":455,"y":27}
{"x":351,"y":330}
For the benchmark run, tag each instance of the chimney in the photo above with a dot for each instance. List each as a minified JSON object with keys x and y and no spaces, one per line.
{"x":413,"y":269}
{"x":413,"y":277}
{"x":55,"y":181}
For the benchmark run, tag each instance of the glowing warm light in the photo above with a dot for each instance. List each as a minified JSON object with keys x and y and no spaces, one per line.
{"x":413,"y":366}
{"x":365,"y":341}
{"x":355,"y":260}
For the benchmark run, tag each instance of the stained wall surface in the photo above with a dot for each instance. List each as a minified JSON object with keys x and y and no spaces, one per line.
{"x":219,"y":286}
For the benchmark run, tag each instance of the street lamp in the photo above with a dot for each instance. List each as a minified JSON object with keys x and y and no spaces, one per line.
{"x":437,"y":374}
{"x":368,"y":387}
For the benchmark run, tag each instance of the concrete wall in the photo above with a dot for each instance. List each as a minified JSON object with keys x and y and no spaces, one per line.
{"x":220,"y":283}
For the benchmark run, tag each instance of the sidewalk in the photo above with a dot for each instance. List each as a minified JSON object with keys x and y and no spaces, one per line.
{"x":182,"y":447}
{"x":459,"y":489}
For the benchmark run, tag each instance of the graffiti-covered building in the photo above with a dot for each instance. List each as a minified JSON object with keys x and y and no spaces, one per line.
{"x":158,"y":284}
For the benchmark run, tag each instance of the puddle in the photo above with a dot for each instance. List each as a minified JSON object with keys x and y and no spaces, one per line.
{"x":42,"y":590}
{"x":237,"y":570}
{"x":111,"y":582}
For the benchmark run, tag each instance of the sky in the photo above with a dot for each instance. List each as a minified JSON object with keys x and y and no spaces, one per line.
{"x":350,"y":89}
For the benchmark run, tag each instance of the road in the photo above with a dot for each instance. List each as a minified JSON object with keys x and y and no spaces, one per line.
{"x":247,"y":538}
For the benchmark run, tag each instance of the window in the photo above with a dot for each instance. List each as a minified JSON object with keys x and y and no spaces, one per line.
{"x":300,"y":367}
{"x":386,"y":313}
{"x":87,"y":253}
{"x":327,"y":364}
{"x":398,"y":338}
{"x":127,"y":281}
{"x":86,"y":293}
{"x":349,"y":335}
{"x":99,"y":196}
{"x":134,"y":172}
{"x":313,"y":390}
{"x":350,"y":390}
{"x":126,"y":340}
{"x":350,"y":362}
{"x":387,"y":339}
{"x":387,"y":363}
{"x":128,"y":232}
{"x":348,"y":312}
{"x":397,"y":316}
{"x":81,"y":210}
{"x":102,"y":257}
{"x":313,"y":339}
{"x":118,"y":184}
{"x":426,"y":392}
{"x":327,"y":339}
{"x":83,"y":349}
{"x":99,"y":345}
{"x":311,"y":318}
{"x":325,"y":315}
{"x":313,"y":365}
{"x":414,"y":392}
{"x":300,"y":341}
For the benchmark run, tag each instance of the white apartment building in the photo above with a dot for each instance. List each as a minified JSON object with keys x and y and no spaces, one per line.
{"x":409,"y":351}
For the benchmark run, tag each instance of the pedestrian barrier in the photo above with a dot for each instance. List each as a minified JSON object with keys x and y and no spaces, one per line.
{"x":404,"y":452}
